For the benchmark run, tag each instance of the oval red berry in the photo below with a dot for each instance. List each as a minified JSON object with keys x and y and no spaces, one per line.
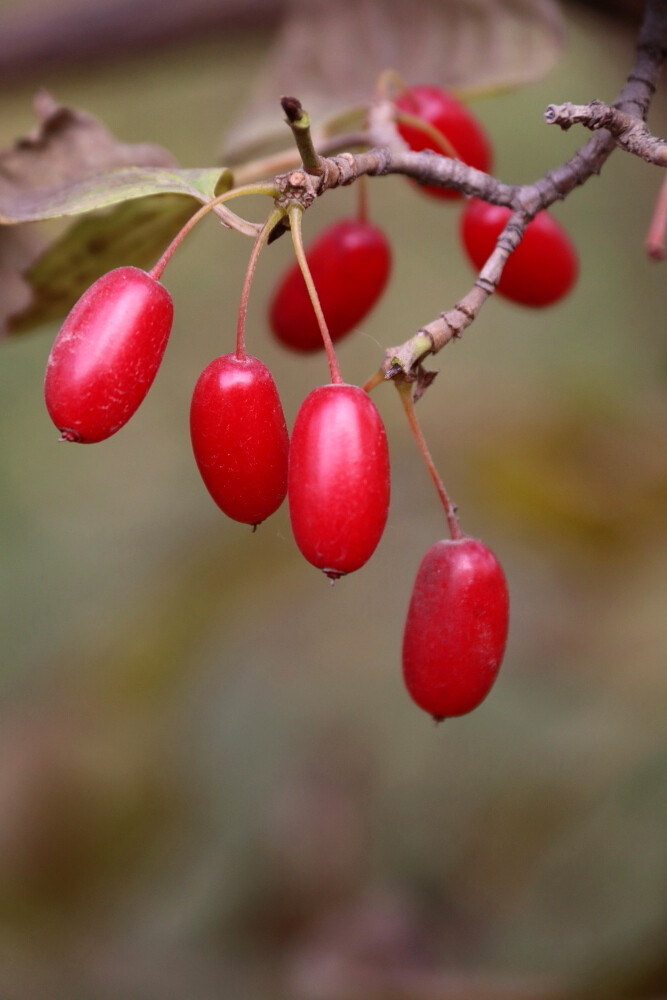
{"x":456,"y":628}
{"x":350,"y":264}
{"x":239,"y":437}
{"x":541,"y":270}
{"x":454,"y":121}
{"x":338,"y":483}
{"x":107,"y":354}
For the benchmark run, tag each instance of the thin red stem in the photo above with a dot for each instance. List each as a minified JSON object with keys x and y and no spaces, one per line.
{"x":441,"y":141}
{"x":405,"y":392}
{"x":295,"y":212}
{"x":374,"y":380}
{"x":362,"y":203}
{"x":655,"y":238}
{"x":158,"y":268}
{"x":262,"y":237}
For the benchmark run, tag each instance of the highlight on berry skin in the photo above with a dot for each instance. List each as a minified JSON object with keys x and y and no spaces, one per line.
{"x":456,"y":628}
{"x":350,"y":263}
{"x":452,"y":130}
{"x":106,"y":356}
{"x":540,"y":272}
{"x":338,"y":486}
{"x":239,"y":437}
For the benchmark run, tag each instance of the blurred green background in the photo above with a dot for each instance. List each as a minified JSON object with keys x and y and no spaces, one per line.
{"x":212,"y":782}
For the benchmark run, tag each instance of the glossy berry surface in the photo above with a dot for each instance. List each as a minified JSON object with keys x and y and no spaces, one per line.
{"x":454,"y":121}
{"x":107,"y":354}
{"x":542,"y":269}
{"x":350,"y":264}
{"x":456,"y":627}
{"x":338,"y":478}
{"x":239,"y":437}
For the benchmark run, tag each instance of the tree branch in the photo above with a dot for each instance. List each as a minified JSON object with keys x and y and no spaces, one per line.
{"x":526,"y":201}
{"x":629,"y":133}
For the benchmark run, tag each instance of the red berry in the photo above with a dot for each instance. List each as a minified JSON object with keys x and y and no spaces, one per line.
{"x":350,"y":264}
{"x":239,"y":437}
{"x":456,"y":627}
{"x":107,"y":354}
{"x":544,"y":266}
{"x":451,"y":118}
{"x":338,"y":478}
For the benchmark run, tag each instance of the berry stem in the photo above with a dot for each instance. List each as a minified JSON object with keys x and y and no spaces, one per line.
{"x":390,"y":84}
{"x":267,"y":189}
{"x":655,"y":238}
{"x":374,"y":380}
{"x":262,"y":237}
{"x":295,"y":212}
{"x":362,"y":203}
{"x":405,"y":392}
{"x":442,"y":143}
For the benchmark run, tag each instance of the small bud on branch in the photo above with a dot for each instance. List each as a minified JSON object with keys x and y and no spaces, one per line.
{"x":299,"y":121}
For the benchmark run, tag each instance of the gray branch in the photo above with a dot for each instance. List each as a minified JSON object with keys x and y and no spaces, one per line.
{"x":629,"y":133}
{"x":526,"y":201}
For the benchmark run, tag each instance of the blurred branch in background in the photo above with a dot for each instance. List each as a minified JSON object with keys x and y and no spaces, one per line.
{"x":36,"y":36}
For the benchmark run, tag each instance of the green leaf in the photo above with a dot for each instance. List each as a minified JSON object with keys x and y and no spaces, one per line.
{"x":134,"y":232}
{"x":69,"y":164}
{"x":108,"y":188}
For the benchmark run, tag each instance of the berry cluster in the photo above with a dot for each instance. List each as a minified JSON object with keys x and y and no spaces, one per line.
{"x":543,"y":268}
{"x":335,"y":469}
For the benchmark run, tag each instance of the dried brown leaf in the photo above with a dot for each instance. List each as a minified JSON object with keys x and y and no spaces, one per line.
{"x":65,"y":147}
{"x":71,"y":163}
{"x":19,"y":247}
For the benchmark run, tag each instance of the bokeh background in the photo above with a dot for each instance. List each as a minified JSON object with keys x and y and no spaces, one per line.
{"x":212,"y":782}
